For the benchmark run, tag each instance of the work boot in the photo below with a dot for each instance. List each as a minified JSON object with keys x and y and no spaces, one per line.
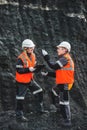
{"x":23,"y":118}
{"x":67,"y":123}
{"x":41,"y":109}
{"x":53,"y":108}
{"x":20,"y":116}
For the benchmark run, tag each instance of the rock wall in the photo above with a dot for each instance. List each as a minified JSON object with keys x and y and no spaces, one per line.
{"x":47,"y":23}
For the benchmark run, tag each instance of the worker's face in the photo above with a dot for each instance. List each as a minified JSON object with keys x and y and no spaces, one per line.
{"x":61,"y":51}
{"x":30,"y":50}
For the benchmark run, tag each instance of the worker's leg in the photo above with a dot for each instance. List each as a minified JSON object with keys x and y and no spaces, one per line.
{"x":54,"y":99}
{"x":20,"y":96}
{"x":64,"y":104}
{"x":55,"y":95}
{"x":38,"y":93}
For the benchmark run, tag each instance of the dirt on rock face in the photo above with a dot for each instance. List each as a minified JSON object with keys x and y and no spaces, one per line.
{"x":47,"y":23}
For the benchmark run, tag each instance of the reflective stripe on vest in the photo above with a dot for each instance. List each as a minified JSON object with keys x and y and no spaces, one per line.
{"x":65,"y":75}
{"x":71,"y":66}
{"x":27,"y":62}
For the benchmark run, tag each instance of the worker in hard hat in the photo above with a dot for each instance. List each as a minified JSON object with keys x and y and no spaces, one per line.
{"x":64,"y":75}
{"x":25,"y":68}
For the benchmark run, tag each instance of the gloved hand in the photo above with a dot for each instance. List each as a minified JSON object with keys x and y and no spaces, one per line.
{"x":44,"y":73}
{"x":32,"y":69}
{"x":39,"y":67}
{"x":44,"y":53}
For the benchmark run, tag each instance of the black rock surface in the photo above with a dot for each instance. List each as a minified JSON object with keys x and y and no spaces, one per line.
{"x":47,"y":23}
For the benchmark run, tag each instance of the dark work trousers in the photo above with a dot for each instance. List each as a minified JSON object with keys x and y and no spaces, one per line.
{"x":21,"y":90}
{"x":62,"y":92}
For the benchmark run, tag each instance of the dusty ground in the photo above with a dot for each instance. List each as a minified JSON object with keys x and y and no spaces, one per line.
{"x":46,"y":121}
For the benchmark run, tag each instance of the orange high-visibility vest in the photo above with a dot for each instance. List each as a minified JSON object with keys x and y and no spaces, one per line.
{"x":27,"y":62}
{"x":65,"y":75}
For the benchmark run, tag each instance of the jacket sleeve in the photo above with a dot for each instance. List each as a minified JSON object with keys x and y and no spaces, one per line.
{"x":56,"y":65}
{"x":19,"y":67}
{"x":51,"y":74}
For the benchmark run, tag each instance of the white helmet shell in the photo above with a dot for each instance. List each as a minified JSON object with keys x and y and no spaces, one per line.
{"x":65,"y":45}
{"x":27,"y":43}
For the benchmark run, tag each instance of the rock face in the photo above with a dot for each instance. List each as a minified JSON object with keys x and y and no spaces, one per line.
{"x":47,"y":23}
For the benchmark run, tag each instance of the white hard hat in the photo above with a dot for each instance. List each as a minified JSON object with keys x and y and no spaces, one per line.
{"x":27,"y":43}
{"x":65,"y":45}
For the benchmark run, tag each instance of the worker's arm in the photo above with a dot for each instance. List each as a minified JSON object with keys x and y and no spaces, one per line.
{"x":20,"y":69}
{"x":51,"y":74}
{"x":56,"y":65}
